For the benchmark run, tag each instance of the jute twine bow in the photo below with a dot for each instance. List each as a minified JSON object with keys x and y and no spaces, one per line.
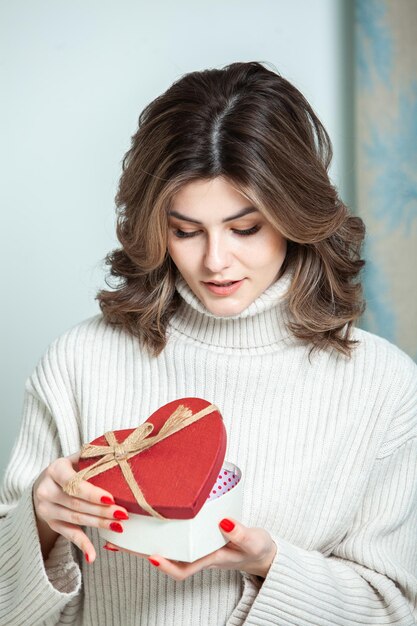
{"x":138,"y":441}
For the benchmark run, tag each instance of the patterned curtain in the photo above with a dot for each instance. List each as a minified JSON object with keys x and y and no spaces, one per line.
{"x":386,"y":164}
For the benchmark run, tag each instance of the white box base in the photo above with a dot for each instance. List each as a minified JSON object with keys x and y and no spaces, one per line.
{"x":181,"y":539}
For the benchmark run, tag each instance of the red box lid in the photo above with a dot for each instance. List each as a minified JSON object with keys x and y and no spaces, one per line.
{"x":177,"y":473}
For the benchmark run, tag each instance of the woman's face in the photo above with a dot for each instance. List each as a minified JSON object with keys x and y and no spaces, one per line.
{"x":206,"y":246}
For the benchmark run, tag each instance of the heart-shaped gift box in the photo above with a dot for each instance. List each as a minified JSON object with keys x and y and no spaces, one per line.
{"x":186,"y":485}
{"x":175,"y":474}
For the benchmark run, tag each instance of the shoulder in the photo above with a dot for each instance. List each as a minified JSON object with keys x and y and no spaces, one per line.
{"x":80,"y":346}
{"x":88,"y":335}
{"x":393,"y":375}
{"x":374,"y":350}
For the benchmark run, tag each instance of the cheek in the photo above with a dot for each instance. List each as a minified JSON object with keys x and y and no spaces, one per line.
{"x":281,"y":248}
{"x":270,"y":250}
{"x":173,"y":249}
{"x":180,"y":253}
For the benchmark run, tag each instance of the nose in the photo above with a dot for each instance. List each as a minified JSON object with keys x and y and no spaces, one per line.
{"x":217,"y":255}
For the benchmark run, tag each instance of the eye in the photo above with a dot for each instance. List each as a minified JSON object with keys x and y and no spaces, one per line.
{"x":248,"y":231}
{"x":181,"y":234}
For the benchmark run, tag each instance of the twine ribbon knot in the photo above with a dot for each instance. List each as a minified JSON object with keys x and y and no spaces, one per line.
{"x":119,"y":453}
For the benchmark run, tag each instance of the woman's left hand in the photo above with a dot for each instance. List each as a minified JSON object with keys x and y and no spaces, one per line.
{"x":249,"y":550}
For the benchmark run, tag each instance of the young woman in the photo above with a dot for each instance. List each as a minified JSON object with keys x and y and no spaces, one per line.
{"x":237,"y":281}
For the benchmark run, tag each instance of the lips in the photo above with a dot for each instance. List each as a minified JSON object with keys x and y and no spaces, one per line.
{"x":226,"y":282}
{"x":224,"y":290}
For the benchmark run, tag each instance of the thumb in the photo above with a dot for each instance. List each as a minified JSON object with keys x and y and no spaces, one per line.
{"x":232,"y":529}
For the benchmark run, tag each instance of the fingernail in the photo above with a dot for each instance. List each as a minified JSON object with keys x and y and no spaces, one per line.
{"x":106,"y":500}
{"x":118,"y":528}
{"x":120,"y":515}
{"x":106,"y":547}
{"x":153,"y":561}
{"x":227,"y":525}
{"x":87,"y":558}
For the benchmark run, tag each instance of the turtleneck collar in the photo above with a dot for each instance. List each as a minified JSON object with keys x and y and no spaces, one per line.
{"x":262,"y":325}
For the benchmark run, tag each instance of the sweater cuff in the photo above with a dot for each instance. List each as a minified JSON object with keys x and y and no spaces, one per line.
{"x":38,"y":589}
{"x":62,"y":569}
{"x":61,"y":566}
{"x":300,"y":588}
{"x":285,"y":593}
{"x":280,"y":583}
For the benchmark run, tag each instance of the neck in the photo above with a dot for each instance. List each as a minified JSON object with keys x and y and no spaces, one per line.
{"x":262,"y":325}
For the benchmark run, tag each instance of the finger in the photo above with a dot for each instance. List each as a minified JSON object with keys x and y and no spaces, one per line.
{"x":227,"y":557}
{"x":110,"y":548}
{"x":178,"y":570}
{"x":254,"y":544}
{"x":78,"y":517}
{"x":50,"y":492}
{"x":63,"y":472}
{"x":237,"y":533}
{"x":75,"y":535}
{"x":74,"y":458}
{"x":113,"y":547}
{"x":113,"y":512}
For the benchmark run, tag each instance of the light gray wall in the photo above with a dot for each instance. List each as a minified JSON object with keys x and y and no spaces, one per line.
{"x":75,"y":76}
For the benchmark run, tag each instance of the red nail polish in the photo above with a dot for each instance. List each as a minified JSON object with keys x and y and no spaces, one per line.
{"x":153,"y":561}
{"x":118,"y":528}
{"x":120,"y":515}
{"x":227,"y":525}
{"x":106,"y":547}
{"x":106,"y":500}
{"x":87,"y":558}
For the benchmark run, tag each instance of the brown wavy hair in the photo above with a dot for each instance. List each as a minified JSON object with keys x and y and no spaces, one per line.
{"x":251,"y":126}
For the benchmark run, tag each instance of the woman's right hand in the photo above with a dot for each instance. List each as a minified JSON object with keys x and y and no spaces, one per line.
{"x":60,"y":514}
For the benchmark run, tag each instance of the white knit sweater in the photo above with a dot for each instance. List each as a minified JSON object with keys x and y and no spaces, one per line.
{"x":327,"y":450}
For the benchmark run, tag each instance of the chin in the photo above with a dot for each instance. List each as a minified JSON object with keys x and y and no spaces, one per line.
{"x":226,"y":311}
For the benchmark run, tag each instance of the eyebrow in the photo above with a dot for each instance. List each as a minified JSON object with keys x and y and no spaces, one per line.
{"x":241,"y":213}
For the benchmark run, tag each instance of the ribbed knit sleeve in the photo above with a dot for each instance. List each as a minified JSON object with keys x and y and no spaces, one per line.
{"x":31,"y":591}
{"x":370,"y":577}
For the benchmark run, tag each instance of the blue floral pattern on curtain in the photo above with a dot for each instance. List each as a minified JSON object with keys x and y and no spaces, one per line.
{"x":386,"y":165}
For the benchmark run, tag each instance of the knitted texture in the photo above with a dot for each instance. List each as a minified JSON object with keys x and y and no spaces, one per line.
{"x":327,"y":450}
